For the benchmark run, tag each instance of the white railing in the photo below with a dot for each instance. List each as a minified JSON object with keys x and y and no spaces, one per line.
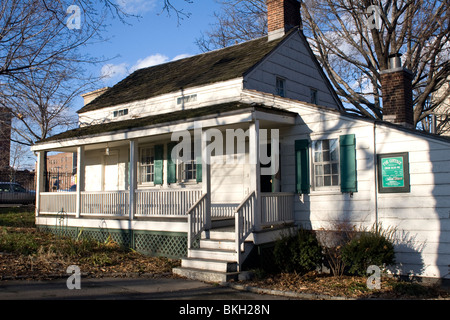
{"x":109,"y":203}
{"x":55,"y":202}
{"x":225,"y":210}
{"x":196,"y":220}
{"x":277,"y":208}
{"x":244,"y":224}
{"x":153,"y":203}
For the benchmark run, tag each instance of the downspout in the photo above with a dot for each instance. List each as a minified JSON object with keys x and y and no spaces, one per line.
{"x":375,"y":164}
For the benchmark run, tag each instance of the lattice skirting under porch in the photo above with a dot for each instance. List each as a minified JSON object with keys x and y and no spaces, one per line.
{"x":152,"y":243}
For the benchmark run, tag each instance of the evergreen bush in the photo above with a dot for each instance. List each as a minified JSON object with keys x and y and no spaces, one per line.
{"x":369,"y":248}
{"x":300,"y":252}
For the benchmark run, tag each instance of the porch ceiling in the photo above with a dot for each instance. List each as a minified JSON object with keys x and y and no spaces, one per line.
{"x":163,"y":124}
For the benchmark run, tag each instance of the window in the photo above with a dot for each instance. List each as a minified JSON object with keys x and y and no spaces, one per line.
{"x":189,"y":168}
{"x":281,"y":87}
{"x":325,"y":163}
{"x":147,"y":165}
{"x":313,"y":95}
{"x":120,"y":113}
{"x":333,"y":164}
{"x":187,"y":99}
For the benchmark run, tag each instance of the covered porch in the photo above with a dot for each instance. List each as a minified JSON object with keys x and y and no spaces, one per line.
{"x":126,"y":179}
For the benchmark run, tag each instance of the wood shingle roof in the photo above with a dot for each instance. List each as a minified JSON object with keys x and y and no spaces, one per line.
{"x":215,"y":66}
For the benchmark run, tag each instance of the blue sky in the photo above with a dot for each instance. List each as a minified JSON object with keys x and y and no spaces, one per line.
{"x":152,"y":39}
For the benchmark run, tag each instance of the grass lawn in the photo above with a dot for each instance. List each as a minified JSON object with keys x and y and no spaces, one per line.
{"x":27,"y":253}
{"x":20,"y":217}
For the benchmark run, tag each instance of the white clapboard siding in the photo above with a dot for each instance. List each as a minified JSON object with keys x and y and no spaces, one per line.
{"x":293,"y":62}
{"x":421,"y":217}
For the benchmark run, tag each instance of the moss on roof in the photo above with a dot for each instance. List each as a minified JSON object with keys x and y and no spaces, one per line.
{"x":215,"y":66}
{"x":182,"y":115}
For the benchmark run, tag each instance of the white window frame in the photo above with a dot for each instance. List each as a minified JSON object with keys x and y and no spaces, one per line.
{"x":319,"y":161}
{"x":120,"y":113}
{"x":143,"y":166}
{"x":182,"y":168}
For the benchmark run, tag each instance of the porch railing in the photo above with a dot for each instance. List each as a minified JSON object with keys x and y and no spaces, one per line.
{"x":196,"y":221}
{"x":244,"y":224}
{"x":276,"y":208}
{"x":153,"y":203}
{"x":110,"y":203}
{"x":224,"y":210}
{"x":54,"y":202}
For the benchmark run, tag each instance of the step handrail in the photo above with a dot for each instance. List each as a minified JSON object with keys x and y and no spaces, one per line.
{"x":244,"y":224}
{"x":196,"y":220}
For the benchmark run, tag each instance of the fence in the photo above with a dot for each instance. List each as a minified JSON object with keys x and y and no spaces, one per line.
{"x":17,"y":187}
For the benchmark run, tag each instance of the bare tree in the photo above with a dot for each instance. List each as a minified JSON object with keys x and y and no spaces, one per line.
{"x":353,"y":51}
{"x":238,"y":21}
{"x":40,"y":103}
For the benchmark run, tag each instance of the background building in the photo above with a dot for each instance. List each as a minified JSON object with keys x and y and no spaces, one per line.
{"x":60,"y":170}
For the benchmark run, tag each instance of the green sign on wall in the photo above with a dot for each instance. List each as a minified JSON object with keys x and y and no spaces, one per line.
{"x":393,"y":172}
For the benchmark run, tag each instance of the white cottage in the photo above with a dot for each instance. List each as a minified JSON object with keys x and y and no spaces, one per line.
{"x":270,"y":148}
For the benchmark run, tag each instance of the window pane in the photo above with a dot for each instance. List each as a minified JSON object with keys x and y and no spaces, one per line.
{"x":327,"y":180}
{"x":317,"y":145}
{"x":335,"y":180}
{"x":326,"y":156}
{"x":335,"y":168}
{"x":319,"y":181}
{"x":317,"y":157}
{"x":327,"y":169}
{"x":319,"y":170}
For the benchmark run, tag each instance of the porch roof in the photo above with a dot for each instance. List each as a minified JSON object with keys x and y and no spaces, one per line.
{"x":183,"y":116}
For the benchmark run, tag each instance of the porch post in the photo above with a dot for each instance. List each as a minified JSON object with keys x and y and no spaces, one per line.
{"x":80,"y":178}
{"x":134,"y":155}
{"x":40,"y":180}
{"x":255,"y":171}
{"x":206,"y":178}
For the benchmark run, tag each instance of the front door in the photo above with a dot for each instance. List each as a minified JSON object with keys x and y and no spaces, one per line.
{"x":269,"y":183}
{"x":111,"y":172}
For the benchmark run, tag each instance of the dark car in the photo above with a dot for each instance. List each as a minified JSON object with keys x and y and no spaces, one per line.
{"x":14,"y":193}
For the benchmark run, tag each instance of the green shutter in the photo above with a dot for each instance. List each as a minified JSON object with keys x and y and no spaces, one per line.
{"x":159,"y":160}
{"x":302,"y":166}
{"x":347,"y":145}
{"x":171,"y":164}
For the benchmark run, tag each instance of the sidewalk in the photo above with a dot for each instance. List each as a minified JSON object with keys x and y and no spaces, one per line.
{"x":142,"y":288}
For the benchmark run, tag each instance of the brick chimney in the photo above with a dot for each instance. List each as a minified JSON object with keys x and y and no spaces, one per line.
{"x":90,"y":96}
{"x":396,"y":91}
{"x":5,"y":138}
{"x":282,"y":15}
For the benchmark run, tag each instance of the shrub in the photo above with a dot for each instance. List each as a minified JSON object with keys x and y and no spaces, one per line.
{"x":370,"y":248}
{"x":333,"y":241}
{"x":300,"y":252}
